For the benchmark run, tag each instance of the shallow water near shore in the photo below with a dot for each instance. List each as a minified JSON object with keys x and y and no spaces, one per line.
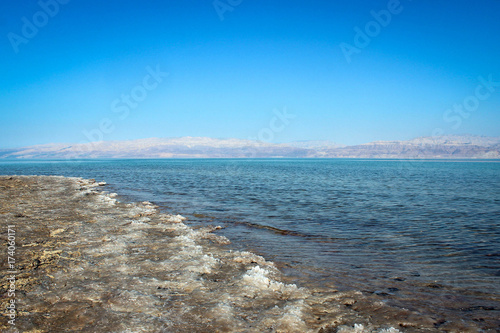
{"x":418,"y":236}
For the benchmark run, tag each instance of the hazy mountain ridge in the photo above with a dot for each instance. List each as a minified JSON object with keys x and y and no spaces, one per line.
{"x":315,"y":144}
{"x":452,"y":146}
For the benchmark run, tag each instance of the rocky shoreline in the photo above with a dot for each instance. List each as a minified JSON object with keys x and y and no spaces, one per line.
{"x":84,"y":261}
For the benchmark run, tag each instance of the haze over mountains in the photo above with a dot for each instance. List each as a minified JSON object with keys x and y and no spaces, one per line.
{"x":452,"y":146}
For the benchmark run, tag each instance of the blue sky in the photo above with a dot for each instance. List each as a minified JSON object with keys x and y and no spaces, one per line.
{"x":231,"y":66}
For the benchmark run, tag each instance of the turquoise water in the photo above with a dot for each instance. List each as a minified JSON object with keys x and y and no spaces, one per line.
{"x":414,"y":232}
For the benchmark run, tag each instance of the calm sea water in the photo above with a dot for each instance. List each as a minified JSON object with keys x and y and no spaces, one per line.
{"x":415,"y":230}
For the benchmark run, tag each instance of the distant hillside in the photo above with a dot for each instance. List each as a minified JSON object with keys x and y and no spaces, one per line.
{"x":453,"y":146}
{"x":315,"y":144}
{"x":464,"y":146}
{"x":186,"y":147}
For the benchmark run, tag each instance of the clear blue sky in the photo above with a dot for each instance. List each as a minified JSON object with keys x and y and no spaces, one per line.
{"x":225,"y":77}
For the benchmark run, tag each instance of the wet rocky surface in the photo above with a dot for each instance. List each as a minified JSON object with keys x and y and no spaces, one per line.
{"x":86,"y":262}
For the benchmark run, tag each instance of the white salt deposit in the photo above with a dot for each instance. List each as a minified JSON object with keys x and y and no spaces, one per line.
{"x":142,"y":271}
{"x":359,"y":328}
{"x":176,"y":218}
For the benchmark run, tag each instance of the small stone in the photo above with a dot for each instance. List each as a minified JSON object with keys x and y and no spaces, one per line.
{"x":349,"y":301}
{"x":434,"y":285}
{"x":56,"y":232}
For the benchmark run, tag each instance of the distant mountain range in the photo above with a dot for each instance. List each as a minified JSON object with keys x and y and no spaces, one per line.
{"x":452,"y":146}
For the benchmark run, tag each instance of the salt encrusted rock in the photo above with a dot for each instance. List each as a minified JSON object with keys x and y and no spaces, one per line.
{"x":175,"y":218}
{"x":349,"y":301}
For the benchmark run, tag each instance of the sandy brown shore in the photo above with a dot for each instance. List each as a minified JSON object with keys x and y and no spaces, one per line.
{"x":84,"y":262}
